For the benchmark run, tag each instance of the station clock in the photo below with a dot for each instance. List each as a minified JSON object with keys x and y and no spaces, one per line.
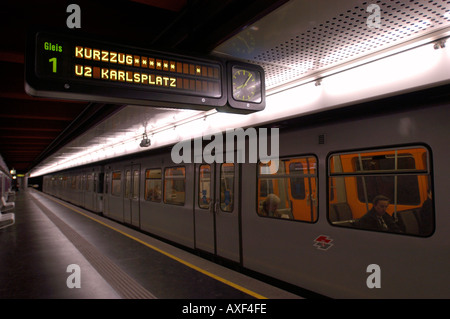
{"x":246,"y":92}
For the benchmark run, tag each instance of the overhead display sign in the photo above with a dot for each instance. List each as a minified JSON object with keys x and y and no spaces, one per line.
{"x":67,"y":66}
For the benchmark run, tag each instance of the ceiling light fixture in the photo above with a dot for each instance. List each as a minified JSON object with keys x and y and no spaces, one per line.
{"x":145,"y":141}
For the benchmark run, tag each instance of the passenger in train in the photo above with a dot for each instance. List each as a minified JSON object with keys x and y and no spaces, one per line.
{"x":154,"y":193}
{"x":270,"y":206}
{"x":426,"y":215}
{"x":377,"y":218}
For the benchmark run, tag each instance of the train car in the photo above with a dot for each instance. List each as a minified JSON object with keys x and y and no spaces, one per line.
{"x":300,"y":218}
{"x":81,"y":186}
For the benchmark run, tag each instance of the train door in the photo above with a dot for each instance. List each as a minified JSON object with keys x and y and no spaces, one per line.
{"x":204,"y":208}
{"x":82,"y":191}
{"x":89,"y":198}
{"x":131,"y":207}
{"x":217,"y":210}
{"x":106,"y":190}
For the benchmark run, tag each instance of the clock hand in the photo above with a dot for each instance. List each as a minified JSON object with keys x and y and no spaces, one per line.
{"x":245,"y":84}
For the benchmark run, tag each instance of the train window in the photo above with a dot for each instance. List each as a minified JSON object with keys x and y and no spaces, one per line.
{"x":127,"y":184}
{"x":95,"y":182}
{"x":83,"y":183}
{"x":135,"y":184}
{"x":99,"y":182}
{"x":78,"y":182}
{"x":90,"y":183}
{"x":174,"y":185}
{"x":287,"y":189}
{"x":116,"y":183}
{"x":204,"y":188}
{"x":227,"y":187}
{"x":384,"y":190}
{"x":265,"y":187}
{"x":297,"y":183}
{"x":385,"y":184}
{"x":107,"y":183}
{"x":153,"y":185}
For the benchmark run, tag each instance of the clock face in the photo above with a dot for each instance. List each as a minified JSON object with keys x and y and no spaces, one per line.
{"x":246,"y":85}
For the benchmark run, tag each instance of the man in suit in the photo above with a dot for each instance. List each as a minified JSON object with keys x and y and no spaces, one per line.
{"x":377,"y":218}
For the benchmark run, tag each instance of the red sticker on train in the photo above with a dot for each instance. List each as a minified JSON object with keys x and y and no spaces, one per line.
{"x":323,"y":242}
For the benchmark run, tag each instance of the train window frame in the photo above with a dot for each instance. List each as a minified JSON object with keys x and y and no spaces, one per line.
{"x":174,"y":178}
{"x":204,"y":196}
{"x":149,"y":171}
{"x":310,"y":188}
{"x":407,"y":216}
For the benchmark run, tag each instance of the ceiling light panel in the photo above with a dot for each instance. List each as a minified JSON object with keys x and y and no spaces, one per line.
{"x":319,"y":35}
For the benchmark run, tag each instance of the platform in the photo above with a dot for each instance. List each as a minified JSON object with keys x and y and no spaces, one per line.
{"x":115,"y":262}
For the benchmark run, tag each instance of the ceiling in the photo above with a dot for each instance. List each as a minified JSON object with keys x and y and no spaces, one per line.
{"x":31,"y":128}
{"x":299,"y":39}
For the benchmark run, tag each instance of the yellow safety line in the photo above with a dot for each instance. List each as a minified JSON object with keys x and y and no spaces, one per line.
{"x":205,"y":272}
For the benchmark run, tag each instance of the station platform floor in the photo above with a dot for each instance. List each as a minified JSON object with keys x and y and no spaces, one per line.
{"x":59,"y":251}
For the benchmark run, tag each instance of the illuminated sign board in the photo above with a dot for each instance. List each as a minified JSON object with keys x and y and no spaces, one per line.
{"x":71,"y":67}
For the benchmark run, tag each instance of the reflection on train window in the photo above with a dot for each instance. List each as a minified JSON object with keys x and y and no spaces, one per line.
{"x":116,"y":183}
{"x":384,"y":190}
{"x":153,"y":185}
{"x":204,"y":187}
{"x":174,"y":185}
{"x":287,"y":188}
{"x":227,"y":187}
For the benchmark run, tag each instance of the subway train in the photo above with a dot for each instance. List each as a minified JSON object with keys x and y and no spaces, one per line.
{"x":298,"y":219}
